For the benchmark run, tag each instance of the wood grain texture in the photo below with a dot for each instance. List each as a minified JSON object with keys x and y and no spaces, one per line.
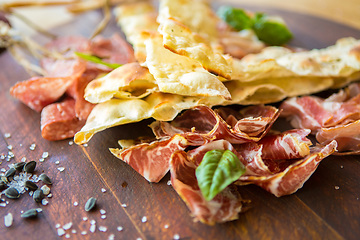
{"x":317,"y":211}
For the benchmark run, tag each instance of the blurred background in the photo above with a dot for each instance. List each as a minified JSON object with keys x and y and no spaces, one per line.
{"x":342,"y":11}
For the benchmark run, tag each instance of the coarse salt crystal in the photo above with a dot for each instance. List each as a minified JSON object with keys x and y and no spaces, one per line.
{"x":60,"y":232}
{"x":67,"y":235}
{"x":67,"y":226}
{"x":341,"y":166}
{"x":176,"y":237}
{"x":102,"y":229}
{"x":2,"y":204}
{"x":76,"y":203}
{"x":10,"y":147}
{"x":50,"y":195}
{"x":103,"y":216}
{"x":73,"y":231}
{"x":92,"y":222}
{"x":61,"y":169}
{"x":337,"y":187}
{"x":46,"y":190}
{"x":44,"y":202}
{"x":102,"y":211}
{"x":85,"y":218}
{"x":111,"y":237}
{"x":39,"y":210}
{"x":169,"y":182}
{"x":41,"y":160}
{"x":8,"y":220}
{"x":144,"y":219}
{"x":57,"y":162}
{"x":124,"y":205}
{"x":57,"y":225}
{"x":92,"y":228}
{"x":32,"y":146}
{"x":166,"y":226}
{"x":120,"y":228}
{"x":71,"y":143}
{"x":83,"y":233}
{"x":7,"y":135}
{"x":45,"y":154}
{"x":103,"y":190}
{"x":23,"y":159}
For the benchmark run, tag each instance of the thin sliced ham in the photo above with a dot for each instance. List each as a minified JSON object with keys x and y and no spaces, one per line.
{"x":294,"y":176}
{"x":207,"y":123}
{"x":334,"y":118}
{"x":151,"y":160}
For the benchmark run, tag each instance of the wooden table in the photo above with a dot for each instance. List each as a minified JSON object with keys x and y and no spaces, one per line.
{"x":327,"y":207}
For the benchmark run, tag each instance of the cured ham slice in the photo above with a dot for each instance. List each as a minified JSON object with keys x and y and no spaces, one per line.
{"x":224,"y":207}
{"x":347,"y":136}
{"x":294,"y":176}
{"x":58,"y":120}
{"x":204,"y":121}
{"x":334,"y":118}
{"x":151,"y":160}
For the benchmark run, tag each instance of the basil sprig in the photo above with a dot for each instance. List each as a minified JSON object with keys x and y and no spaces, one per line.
{"x":95,"y":59}
{"x":269,"y":29}
{"x":218,"y":169}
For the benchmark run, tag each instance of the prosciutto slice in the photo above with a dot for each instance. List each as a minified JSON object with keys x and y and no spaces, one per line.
{"x":294,"y":175}
{"x":151,"y":160}
{"x":334,"y":118}
{"x":224,"y":207}
{"x":207,"y":123}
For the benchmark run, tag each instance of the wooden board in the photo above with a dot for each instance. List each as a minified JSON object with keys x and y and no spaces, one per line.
{"x":317,"y":211}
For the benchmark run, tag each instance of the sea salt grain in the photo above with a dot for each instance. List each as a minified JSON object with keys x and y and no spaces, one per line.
{"x":103,"y":190}
{"x":57,"y":162}
{"x":67,"y":226}
{"x":169,"y":182}
{"x":124,"y":205}
{"x":61,"y":169}
{"x":67,"y":235}
{"x":32,"y":147}
{"x":60,"y":232}
{"x":44,"y":202}
{"x":46,"y":190}
{"x":111,"y":237}
{"x":83,"y":233}
{"x":166,"y":226}
{"x":57,"y":225}
{"x":73,"y":231}
{"x":120,"y":228}
{"x":102,"y":229}
{"x":71,"y":143}
{"x":144,"y":219}
{"x":2,"y":204}
{"x":92,"y":228}
{"x":85,"y":218}
{"x":7,"y":135}
{"x":8,"y":220}
{"x":337,"y":187}
{"x":102,"y":211}
{"x":176,"y":237}
{"x":45,"y":155}
{"x":103,"y":216}
{"x":76,"y":203}
{"x":10,"y":147}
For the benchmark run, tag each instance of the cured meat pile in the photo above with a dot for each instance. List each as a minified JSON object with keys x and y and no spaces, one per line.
{"x":278,"y":162}
{"x":59,"y":94}
{"x":334,"y":118}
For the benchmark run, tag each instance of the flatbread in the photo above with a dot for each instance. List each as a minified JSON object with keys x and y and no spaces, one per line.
{"x":127,"y":81}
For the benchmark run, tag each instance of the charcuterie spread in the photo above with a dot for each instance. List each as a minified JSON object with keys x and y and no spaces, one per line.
{"x":187,"y":72}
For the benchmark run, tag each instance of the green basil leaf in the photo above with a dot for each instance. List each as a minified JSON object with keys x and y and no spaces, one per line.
{"x":218,"y":169}
{"x":271,"y":30}
{"x":235,"y":17}
{"x":94,"y":59}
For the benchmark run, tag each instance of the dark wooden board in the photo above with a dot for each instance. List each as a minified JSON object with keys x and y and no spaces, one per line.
{"x":316,"y":211}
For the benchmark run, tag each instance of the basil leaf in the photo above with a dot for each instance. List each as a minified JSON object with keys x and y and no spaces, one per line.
{"x":270,"y":30}
{"x":218,"y":169}
{"x":235,"y":17}
{"x":94,"y":59}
